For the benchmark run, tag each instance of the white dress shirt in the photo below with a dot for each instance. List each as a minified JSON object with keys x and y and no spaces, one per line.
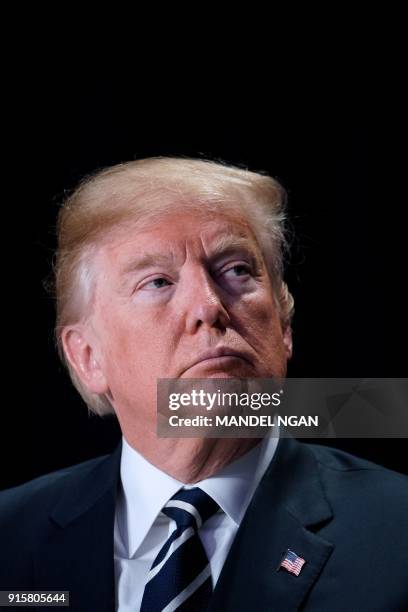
{"x":141,"y":528}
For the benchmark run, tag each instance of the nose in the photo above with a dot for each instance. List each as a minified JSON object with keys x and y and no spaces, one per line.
{"x":203,"y":302}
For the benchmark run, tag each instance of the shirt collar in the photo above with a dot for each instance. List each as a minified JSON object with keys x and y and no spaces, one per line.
{"x":146,"y":489}
{"x":233,"y":486}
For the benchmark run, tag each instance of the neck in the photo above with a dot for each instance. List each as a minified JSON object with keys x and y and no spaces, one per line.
{"x":190,"y":460}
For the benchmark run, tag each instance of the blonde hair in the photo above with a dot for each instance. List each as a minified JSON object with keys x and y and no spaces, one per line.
{"x":142,"y":191}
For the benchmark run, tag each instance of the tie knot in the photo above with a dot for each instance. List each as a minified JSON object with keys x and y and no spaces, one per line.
{"x":190,"y":508}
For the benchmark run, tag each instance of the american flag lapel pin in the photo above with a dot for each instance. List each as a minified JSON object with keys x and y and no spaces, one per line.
{"x":291,"y":562}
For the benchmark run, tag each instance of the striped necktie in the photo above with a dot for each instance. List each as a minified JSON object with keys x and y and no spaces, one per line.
{"x":180,"y":577}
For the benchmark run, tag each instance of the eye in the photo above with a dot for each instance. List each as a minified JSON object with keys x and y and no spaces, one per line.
{"x":156,"y":283}
{"x":238,"y":270}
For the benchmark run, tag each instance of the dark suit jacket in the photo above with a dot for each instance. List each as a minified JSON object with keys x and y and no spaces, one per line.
{"x":346,"y":517}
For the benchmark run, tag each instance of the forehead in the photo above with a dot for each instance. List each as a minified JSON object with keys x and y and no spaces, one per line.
{"x":176,"y":232}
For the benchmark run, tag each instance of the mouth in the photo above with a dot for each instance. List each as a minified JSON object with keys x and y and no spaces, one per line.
{"x":220,"y":359}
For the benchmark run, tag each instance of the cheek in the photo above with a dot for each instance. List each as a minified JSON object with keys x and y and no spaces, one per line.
{"x":258,"y":322}
{"x":257,"y":315}
{"x":134,"y":346}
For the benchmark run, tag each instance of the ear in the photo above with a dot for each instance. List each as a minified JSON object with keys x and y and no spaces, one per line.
{"x":80,"y":351}
{"x":287,"y":339}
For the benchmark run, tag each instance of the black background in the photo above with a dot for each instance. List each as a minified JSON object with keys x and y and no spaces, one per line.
{"x":333,"y":139}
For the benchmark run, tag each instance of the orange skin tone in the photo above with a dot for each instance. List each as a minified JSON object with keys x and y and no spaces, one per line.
{"x":193,"y":294}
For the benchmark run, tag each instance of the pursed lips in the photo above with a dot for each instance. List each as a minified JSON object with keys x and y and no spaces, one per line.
{"x":217,"y":354}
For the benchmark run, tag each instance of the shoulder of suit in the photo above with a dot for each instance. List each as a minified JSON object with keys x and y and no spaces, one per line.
{"x":42,"y":491}
{"x":342,"y":472}
{"x":336,"y":459}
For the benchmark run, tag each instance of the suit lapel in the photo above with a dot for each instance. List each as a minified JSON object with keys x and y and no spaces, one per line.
{"x":285,"y":512}
{"x":78,"y":555}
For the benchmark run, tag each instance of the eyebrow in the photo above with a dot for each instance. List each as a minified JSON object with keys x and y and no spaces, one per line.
{"x":145,"y":261}
{"x":224,"y":246}
{"x":228,"y":244}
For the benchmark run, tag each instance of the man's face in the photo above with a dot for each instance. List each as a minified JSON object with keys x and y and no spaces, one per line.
{"x":186,"y":297}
